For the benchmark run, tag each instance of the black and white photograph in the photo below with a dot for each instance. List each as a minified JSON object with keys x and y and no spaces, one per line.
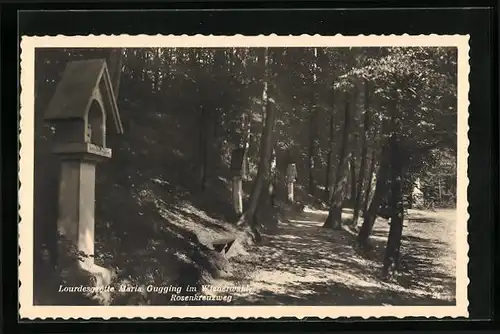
{"x":295,"y":176}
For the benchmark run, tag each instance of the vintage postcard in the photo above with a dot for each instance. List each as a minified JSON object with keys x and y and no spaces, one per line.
{"x":243,"y":176}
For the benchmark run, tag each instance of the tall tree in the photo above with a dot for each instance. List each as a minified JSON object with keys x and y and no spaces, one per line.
{"x":195,"y":56}
{"x":364,"y":153}
{"x":313,"y":126}
{"x":265,"y":152}
{"x":334,"y":219}
{"x":392,"y":252}
{"x":352,"y":177}
{"x":368,"y":187}
{"x":330,"y":156}
{"x":370,"y":215}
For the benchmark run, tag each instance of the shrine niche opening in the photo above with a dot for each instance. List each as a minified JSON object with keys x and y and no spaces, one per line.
{"x":96,"y":130}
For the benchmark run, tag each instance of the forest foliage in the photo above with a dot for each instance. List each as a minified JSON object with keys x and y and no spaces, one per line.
{"x":363,"y":125}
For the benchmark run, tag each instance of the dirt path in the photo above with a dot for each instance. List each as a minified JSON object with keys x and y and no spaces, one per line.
{"x":302,"y":263}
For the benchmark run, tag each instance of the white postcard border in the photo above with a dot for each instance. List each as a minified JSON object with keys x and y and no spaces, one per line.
{"x":26,"y":174}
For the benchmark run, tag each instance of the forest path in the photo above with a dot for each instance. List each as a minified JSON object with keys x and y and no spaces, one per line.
{"x":301,"y":263}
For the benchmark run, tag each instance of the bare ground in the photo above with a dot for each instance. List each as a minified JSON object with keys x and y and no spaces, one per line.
{"x":301,"y":263}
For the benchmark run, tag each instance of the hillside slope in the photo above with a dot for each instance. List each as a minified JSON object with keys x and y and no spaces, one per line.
{"x":154,"y":226}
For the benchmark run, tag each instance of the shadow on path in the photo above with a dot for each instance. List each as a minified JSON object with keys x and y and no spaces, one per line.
{"x":301,"y":263}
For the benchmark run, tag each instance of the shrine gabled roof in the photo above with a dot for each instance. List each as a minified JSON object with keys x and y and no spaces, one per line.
{"x":75,"y":92}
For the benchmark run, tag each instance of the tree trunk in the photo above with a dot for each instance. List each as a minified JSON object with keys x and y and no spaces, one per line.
{"x":272,"y":178}
{"x":115,"y":69}
{"x":368,"y":188}
{"x":205,"y":106}
{"x":440,"y":193}
{"x":158,"y":70}
{"x":329,"y":163}
{"x":312,"y":150}
{"x":148,"y":83}
{"x":334,"y":219}
{"x":266,"y":147}
{"x":364,"y":153}
{"x":143,"y":62}
{"x":380,"y":188}
{"x":245,"y":144}
{"x":352,"y":169}
{"x":265,"y":152}
{"x":392,"y":251}
{"x":313,"y":135}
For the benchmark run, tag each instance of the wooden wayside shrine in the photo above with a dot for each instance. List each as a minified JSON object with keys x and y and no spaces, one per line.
{"x":82,"y":109}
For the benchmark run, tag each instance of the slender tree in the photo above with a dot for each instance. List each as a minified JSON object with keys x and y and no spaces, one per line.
{"x":371,"y":214}
{"x":265,"y":152}
{"x":313,"y":126}
{"x":369,"y":180}
{"x":352,"y":177}
{"x":392,"y":252}
{"x":330,"y":157}
{"x":364,"y":153}
{"x":334,"y":219}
